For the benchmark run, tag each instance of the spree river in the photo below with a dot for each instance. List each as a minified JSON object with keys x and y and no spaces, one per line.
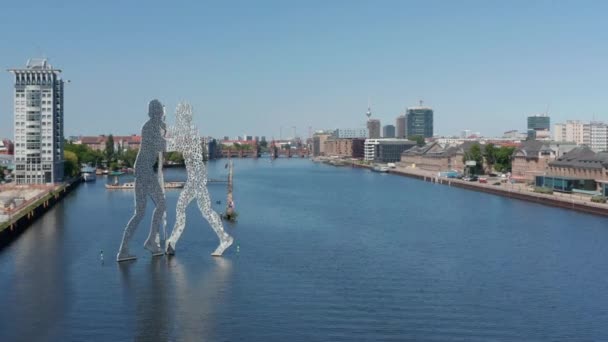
{"x":324,"y":254}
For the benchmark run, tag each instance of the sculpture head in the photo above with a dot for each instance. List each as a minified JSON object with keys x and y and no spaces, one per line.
{"x":184,"y":114}
{"x":155,"y":110}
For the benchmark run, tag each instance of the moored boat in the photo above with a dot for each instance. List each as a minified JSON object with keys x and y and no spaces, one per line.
{"x":88,"y":174}
{"x":131,"y":185}
{"x":379,"y":168}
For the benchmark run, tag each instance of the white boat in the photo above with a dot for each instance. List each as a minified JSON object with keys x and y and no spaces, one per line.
{"x":131,"y":185}
{"x":378,"y":168}
{"x":88,"y":174}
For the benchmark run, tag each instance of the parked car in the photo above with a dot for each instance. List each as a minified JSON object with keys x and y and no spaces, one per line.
{"x":470,"y":178}
{"x":483,"y":180}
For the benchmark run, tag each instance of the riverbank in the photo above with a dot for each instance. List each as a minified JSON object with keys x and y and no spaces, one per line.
{"x":517,"y":191}
{"x":23,"y":217}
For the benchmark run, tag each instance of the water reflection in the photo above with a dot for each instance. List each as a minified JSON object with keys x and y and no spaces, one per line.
{"x":41,"y":261}
{"x":170,"y":298}
{"x":148,"y":292}
{"x":200,"y":298}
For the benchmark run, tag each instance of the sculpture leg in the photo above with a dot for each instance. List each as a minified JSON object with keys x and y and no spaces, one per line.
{"x":185,"y":197}
{"x":138,"y":215}
{"x":204,"y":204}
{"x":158,"y":197}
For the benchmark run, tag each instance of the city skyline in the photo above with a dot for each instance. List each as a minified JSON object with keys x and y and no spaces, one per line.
{"x":255,"y":68}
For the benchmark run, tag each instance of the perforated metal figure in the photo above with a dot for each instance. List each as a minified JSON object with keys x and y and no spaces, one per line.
{"x":185,"y":139}
{"x":147,"y":184}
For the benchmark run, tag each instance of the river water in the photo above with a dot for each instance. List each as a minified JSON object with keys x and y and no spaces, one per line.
{"x":324,"y":254}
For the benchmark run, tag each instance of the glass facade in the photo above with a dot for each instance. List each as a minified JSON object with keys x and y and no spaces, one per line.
{"x":539,"y":122}
{"x":566,"y":184}
{"x":419,"y":121}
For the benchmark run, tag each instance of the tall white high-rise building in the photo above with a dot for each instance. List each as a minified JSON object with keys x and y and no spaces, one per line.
{"x":38,"y":115}
{"x":598,"y":136}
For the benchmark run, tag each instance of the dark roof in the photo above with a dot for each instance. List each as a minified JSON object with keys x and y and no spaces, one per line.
{"x":531,"y":148}
{"x":435,"y":150}
{"x":582,"y":157}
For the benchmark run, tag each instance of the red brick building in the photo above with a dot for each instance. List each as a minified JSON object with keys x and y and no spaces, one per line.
{"x":98,"y":143}
{"x":7,"y":147}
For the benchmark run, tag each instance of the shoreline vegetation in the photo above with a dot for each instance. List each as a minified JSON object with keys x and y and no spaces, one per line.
{"x":519,"y":191}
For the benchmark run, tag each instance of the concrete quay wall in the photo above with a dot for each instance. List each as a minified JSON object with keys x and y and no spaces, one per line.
{"x":11,"y":229}
{"x":545,"y":199}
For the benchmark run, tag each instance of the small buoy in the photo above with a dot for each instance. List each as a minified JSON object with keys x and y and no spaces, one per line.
{"x":238,"y":248}
{"x":101,"y":256}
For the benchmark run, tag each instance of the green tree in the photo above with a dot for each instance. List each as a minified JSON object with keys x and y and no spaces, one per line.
{"x":419,"y":139}
{"x":175,"y":157}
{"x":110,"y":147}
{"x":129,"y":156}
{"x":474,"y":154}
{"x":113,"y":166}
{"x":2,"y":168}
{"x":504,"y":157}
{"x":85,"y":154}
{"x":71,"y":165}
{"x":489,"y":153}
{"x":263,"y":144}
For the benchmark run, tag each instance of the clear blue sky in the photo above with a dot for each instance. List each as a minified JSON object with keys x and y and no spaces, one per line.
{"x":252,"y":67}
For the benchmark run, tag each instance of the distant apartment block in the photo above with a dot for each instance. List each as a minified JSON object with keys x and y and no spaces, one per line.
{"x":419,"y":121}
{"x":386,"y":150}
{"x":351,"y":133}
{"x":373,"y":126}
{"x":388,"y":131}
{"x":571,"y":131}
{"x":594,"y":134}
{"x":597,"y":137}
{"x":38,"y":115}
{"x":121,"y":143}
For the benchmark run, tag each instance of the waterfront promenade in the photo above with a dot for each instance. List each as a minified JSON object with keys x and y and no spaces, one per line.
{"x":522,"y":191}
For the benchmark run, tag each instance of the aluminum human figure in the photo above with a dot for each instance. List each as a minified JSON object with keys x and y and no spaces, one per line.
{"x":185,"y":139}
{"x":147,"y":184}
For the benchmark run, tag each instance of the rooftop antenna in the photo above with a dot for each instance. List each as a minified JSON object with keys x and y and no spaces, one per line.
{"x":421,"y":102}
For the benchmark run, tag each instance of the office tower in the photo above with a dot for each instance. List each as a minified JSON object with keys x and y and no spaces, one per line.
{"x":38,"y":103}
{"x":400,"y":127}
{"x":539,"y":126}
{"x":419,"y":121}
{"x":373,"y":127}
{"x":388,"y":131}
{"x":351,"y":133}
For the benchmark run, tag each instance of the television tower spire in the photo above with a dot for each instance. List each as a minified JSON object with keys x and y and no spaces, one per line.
{"x":369,"y":109}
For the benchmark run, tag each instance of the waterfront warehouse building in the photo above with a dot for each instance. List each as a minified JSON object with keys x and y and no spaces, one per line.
{"x":419,"y":121}
{"x":400,"y":127}
{"x":386,"y":150}
{"x":38,"y":114}
{"x":388,"y":131}
{"x":318,"y":143}
{"x":351,"y":133}
{"x":373,"y":126}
